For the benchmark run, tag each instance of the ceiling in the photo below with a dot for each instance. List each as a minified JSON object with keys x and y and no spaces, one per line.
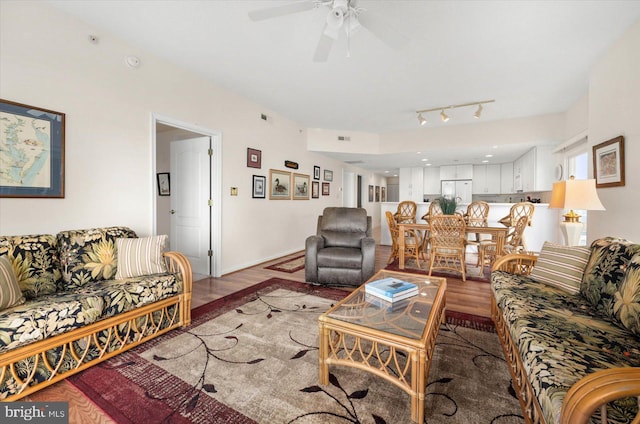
{"x":532,"y":57}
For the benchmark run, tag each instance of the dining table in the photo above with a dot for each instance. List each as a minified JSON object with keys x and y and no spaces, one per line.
{"x":497,"y":230}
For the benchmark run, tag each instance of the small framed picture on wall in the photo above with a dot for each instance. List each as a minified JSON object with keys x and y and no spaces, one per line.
{"x":315,"y":189}
{"x":259,"y":187}
{"x":316,"y":172}
{"x":164,"y":184}
{"x":325,"y":189}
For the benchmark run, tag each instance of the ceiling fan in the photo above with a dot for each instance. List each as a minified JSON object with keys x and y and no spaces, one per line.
{"x":342,"y":14}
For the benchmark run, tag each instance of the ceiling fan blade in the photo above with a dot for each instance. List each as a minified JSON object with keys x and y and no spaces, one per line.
{"x":382,"y":30}
{"x":287,"y":9}
{"x":323,"y":48}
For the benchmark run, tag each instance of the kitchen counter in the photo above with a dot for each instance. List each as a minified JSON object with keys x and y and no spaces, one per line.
{"x":544,"y":227}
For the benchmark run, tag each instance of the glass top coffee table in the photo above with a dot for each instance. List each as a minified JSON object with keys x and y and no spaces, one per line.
{"x":391,"y":340}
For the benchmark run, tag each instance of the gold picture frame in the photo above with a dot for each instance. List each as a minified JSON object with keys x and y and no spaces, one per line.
{"x":608,"y":163}
{"x":279,"y":185}
{"x":300,"y":189}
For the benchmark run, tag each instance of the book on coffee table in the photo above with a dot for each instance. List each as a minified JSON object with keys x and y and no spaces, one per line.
{"x":391,"y":289}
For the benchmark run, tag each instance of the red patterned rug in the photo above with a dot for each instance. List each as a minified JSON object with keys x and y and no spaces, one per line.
{"x":251,"y":357}
{"x":289,"y":265}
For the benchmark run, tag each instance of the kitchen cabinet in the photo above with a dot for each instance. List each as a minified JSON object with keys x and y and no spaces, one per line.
{"x":411,"y":181}
{"x":456,"y":172}
{"x":431,"y":181}
{"x":506,"y":178}
{"x":533,"y":171}
{"x":486,"y":179}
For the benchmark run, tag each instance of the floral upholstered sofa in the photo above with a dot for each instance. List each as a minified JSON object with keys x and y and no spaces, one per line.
{"x":71,"y":300}
{"x":569,"y":324}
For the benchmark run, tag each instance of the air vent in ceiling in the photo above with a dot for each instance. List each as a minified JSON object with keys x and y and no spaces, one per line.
{"x":343,"y":138}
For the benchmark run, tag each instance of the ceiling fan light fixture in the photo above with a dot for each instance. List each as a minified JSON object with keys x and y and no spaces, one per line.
{"x":444,"y":116}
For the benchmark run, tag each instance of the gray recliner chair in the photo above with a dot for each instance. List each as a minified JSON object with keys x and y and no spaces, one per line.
{"x":343,"y":253}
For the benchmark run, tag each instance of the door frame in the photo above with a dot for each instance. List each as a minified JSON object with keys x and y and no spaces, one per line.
{"x":215,"y":183}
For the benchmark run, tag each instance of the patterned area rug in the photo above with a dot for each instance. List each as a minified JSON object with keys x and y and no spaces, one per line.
{"x":290,"y":265}
{"x":253,"y":358}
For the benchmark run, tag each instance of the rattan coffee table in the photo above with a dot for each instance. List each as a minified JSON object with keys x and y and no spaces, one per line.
{"x":366,"y":333}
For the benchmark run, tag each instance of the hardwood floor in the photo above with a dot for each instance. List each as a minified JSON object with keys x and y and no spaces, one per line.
{"x":470,"y":297}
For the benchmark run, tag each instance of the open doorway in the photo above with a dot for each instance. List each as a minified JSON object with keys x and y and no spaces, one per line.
{"x":189,"y":212}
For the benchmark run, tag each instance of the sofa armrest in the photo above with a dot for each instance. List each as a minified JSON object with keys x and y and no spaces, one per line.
{"x":177,"y":262}
{"x":596,"y":390}
{"x":312,"y":245}
{"x":515,"y":263}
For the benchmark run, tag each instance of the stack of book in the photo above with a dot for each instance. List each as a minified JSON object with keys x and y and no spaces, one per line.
{"x":391,"y":289}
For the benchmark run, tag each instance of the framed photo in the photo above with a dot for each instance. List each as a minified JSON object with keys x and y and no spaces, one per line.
{"x":316,"y":172}
{"x":33,"y":151}
{"x":328,"y":175}
{"x":608,"y":163}
{"x":325,"y":189}
{"x":164,"y":184}
{"x":279,"y":185}
{"x":371,"y":193}
{"x":383,"y":194}
{"x":259,"y":187}
{"x":315,"y":189}
{"x":300,"y":187}
{"x":254,"y":158}
{"x":377,"y":193}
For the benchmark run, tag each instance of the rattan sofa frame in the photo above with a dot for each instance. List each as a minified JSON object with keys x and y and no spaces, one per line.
{"x":138,"y":326}
{"x":586,"y":396}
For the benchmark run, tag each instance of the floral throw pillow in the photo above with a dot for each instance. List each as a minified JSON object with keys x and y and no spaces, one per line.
{"x":605,"y":272}
{"x":35,"y":262}
{"x":627,"y":299}
{"x":90,"y":255}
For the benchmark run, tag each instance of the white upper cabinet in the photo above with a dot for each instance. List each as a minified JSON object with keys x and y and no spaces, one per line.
{"x":533,"y":171}
{"x":486,"y":179}
{"x":456,"y":172}
{"x":410,"y":182}
{"x":506,"y":178}
{"x":431,"y":183}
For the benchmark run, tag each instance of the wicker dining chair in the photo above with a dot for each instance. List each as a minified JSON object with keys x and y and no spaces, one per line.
{"x":406,"y":212}
{"x":513,"y":242}
{"x":412,"y":241}
{"x":434,"y":209}
{"x":518,"y":210}
{"x":447,"y":243}
{"x":476,"y":216}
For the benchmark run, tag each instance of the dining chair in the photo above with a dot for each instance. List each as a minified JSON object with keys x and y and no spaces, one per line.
{"x":447,"y":243}
{"x":487,"y":251}
{"x":476,"y":216}
{"x":434,"y":209}
{"x":406,"y":212}
{"x":518,"y":210}
{"x":412,"y":241}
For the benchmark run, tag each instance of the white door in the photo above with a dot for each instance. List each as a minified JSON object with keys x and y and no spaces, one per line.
{"x":190,"y":194}
{"x":349,"y":183}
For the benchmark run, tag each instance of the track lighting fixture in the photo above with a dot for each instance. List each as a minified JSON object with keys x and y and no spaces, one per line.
{"x":478,"y":112}
{"x":422,"y":120}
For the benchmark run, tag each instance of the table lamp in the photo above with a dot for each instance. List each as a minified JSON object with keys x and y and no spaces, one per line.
{"x":574,"y":194}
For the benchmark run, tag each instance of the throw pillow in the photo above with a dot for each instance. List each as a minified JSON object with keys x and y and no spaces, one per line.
{"x":561,"y":266}
{"x":36,"y":263}
{"x":10,"y":293}
{"x":140,"y":256}
{"x":605,"y":271}
{"x":627,"y":300}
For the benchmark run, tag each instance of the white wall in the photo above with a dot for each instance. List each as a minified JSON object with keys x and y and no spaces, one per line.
{"x":614,"y":105}
{"x":47,"y":61}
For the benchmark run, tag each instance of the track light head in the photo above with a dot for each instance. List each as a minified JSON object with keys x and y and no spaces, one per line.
{"x":478,"y":112}
{"x":422,"y":120}
{"x":444,"y":116}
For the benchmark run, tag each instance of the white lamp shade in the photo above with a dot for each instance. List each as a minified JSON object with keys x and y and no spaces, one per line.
{"x":576,"y":194}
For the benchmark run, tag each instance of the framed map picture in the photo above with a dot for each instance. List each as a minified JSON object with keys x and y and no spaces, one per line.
{"x":31,"y":151}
